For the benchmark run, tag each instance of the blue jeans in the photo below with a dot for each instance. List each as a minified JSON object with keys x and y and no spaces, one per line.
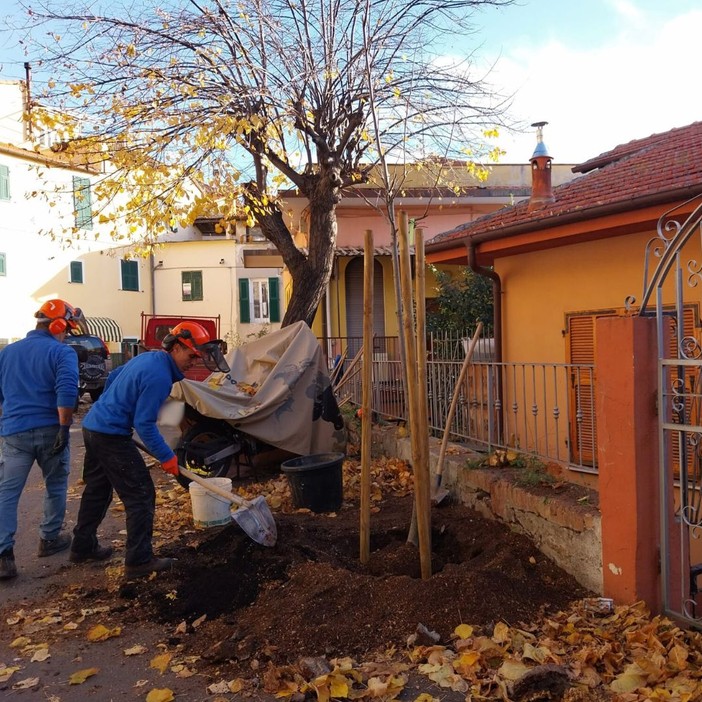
{"x":17,"y":455}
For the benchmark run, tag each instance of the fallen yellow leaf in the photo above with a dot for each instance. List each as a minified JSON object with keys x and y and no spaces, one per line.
{"x":512,"y":669}
{"x":161,"y":662}
{"x":220,"y":687}
{"x":500,"y":633}
{"x":339,"y":686}
{"x":236,"y":685}
{"x":41,"y":654}
{"x":632,"y":677}
{"x":80,"y":676}
{"x":102,"y":633}
{"x":135,"y":650}
{"x":20,"y":642}
{"x":6,"y":673}
{"x":463,"y":631}
{"x":160,"y":695}
{"x":465,"y":662}
{"x":25,"y":684}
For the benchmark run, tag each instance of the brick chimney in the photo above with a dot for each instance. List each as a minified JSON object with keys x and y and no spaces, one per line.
{"x":541,"y":188}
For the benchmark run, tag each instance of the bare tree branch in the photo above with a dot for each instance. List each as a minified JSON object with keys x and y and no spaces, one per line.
{"x":313,"y":93}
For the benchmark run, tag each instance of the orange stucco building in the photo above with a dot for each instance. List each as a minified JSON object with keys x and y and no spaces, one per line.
{"x":570,"y":269}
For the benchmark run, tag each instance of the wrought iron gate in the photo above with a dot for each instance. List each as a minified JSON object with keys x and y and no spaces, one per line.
{"x":672,"y":291}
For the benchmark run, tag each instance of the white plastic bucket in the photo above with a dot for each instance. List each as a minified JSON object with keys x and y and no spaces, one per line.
{"x":209,"y":509}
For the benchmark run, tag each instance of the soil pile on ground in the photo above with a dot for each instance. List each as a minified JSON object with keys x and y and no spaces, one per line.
{"x":310,"y":595}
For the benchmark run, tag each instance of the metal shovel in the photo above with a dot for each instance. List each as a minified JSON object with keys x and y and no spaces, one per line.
{"x":253,"y":516}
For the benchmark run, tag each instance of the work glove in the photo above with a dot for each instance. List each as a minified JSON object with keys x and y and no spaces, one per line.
{"x":61,"y":440}
{"x":171,"y":466}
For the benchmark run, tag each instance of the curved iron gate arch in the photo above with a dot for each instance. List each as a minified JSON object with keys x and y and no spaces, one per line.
{"x":678,"y":265}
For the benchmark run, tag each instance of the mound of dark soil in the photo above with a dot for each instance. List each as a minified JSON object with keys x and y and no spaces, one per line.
{"x":310,"y":595}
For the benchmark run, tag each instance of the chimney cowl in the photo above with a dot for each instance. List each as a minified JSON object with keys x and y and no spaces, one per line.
{"x":540,"y":150}
{"x":541,"y":187}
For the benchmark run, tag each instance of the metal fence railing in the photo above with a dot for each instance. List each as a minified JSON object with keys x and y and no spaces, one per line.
{"x":544,"y":409}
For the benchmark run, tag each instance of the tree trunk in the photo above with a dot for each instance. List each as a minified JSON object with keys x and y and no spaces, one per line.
{"x":310,"y":273}
{"x":311,"y":276}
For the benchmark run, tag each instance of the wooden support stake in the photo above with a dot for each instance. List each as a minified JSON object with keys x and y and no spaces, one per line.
{"x":366,"y":388}
{"x":421,"y":472}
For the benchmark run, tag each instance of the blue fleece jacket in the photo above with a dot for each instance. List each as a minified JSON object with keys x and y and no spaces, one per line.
{"x":132,"y":399}
{"x":38,"y":374}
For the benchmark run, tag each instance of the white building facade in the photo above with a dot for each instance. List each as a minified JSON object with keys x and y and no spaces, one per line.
{"x":52,"y":245}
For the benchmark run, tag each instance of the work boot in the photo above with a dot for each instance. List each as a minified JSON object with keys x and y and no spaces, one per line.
{"x":99,"y":553}
{"x":48,"y":547}
{"x":143,"y":570}
{"x":8,"y":569}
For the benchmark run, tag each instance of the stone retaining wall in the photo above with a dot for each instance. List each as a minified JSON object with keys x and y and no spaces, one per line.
{"x":567,"y":532}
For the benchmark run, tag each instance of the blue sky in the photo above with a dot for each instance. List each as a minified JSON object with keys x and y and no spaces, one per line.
{"x":600,"y":72}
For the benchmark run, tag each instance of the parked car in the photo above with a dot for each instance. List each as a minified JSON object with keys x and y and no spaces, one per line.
{"x":94,"y":362}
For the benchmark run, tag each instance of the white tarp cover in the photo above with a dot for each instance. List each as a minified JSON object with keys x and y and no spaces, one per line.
{"x":277,"y":390}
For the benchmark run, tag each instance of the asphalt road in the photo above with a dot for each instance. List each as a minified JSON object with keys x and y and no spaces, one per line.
{"x":120,"y":677}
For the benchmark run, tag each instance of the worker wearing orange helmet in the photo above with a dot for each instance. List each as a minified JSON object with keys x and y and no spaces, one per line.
{"x":38,"y":391}
{"x":131,"y":400}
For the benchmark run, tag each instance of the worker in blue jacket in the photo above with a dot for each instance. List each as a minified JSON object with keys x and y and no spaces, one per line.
{"x":38,"y":392}
{"x":131,"y":400}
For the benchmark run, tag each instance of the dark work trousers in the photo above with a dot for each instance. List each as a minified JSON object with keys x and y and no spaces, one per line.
{"x":114,"y":462}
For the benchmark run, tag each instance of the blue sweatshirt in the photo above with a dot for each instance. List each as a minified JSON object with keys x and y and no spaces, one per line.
{"x":132,"y":399}
{"x":38,"y":374}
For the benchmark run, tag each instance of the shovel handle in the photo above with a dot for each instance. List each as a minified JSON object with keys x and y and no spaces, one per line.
{"x":454,"y":402}
{"x":230,"y":496}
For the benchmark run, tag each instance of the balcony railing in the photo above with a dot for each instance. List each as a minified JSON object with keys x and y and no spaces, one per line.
{"x":544,"y":409}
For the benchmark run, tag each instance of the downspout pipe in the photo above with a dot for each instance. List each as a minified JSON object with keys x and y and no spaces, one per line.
{"x":496,"y":294}
{"x":152,"y":280}
{"x":497,"y":328}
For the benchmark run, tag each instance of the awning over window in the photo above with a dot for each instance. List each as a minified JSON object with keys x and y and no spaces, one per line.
{"x":104,"y":327}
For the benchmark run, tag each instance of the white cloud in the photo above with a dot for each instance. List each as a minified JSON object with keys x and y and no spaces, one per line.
{"x":627,"y":10}
{"x":596,"y":99}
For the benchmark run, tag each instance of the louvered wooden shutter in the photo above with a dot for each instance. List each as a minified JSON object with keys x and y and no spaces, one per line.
{"x":691,"y":376}
{"x":82,"y":203}
{"x":581,"y":351}
{"x":4,"y":183}
{"x":244,"y":305}
{"x":274,"y":300}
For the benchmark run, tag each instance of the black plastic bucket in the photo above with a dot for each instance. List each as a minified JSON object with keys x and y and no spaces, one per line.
{"x":316,"y":481}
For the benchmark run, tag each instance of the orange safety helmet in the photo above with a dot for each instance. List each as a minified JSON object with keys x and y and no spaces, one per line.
{"x":60,"y":315}
{"x":195,"y":337}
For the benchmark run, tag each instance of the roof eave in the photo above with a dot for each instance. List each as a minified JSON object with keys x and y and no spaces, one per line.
{"x":568,"y":218}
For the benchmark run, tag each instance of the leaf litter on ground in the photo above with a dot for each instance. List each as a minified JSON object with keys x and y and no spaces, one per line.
{"x":583,"y":653}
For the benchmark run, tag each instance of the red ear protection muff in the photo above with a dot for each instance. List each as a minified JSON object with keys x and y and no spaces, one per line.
{"x":58,"y":326}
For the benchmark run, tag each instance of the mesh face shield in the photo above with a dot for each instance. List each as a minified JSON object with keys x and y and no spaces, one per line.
{"x":212,"y":356}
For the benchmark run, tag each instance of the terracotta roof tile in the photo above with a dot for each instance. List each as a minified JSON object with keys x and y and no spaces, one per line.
{"x":662,"y":166}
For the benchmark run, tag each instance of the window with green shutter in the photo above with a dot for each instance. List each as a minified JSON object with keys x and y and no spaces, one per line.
{"x":3,"y":265}
{"x":244,"y":305}
{"x":82,"y":203}
{"x":274,"y":299}
{"x":191,"y":285}
{"x":76,"y":272}
{"x":4,"y":183}
{"x":130,"y":275}
{"x":259,"y":300}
